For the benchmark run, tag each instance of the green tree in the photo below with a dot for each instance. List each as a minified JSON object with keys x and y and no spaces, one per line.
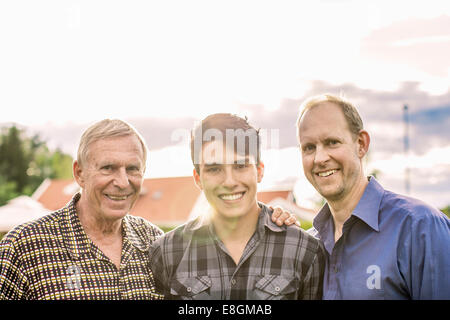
{"x":446,"y":210}
{"x":26,"y":161}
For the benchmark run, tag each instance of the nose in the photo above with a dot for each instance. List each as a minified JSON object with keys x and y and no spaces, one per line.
{"x":321,"y":156}
{"x":229,"y":179}
{"x":121,"y":178}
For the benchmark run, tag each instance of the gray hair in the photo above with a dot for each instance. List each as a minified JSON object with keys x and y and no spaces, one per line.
{"x":107,"y":128}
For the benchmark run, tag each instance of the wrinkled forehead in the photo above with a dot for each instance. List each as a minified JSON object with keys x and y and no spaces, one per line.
{"x":219,"y":152}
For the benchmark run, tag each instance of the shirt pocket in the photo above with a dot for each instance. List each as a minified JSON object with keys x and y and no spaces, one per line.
{"x":276,"y":287}
{"x":190,"y":288}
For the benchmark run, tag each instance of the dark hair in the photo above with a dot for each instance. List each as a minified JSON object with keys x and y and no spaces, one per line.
{"x":225,"y":126}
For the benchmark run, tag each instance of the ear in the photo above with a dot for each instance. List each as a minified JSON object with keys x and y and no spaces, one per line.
{"x":78,"y":173}
{"x":363,"y":143}
{"x":197,"y":181}
{"x":260,"y":171}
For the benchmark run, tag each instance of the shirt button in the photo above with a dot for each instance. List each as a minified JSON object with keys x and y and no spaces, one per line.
{"x":233,"y":282}
{"x":277,"y":289}
{"x":188,"y":289}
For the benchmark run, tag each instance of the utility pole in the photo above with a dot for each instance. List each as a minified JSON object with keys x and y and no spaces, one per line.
{"x":406,"y":148}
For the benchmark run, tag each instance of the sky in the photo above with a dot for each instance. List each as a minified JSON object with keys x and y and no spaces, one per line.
{"x":163,"y":65}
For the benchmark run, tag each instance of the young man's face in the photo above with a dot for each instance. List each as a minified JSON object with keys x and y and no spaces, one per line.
{"x":228,"y":180}
{"x":111,"y":177}
{"x":331,"y":155}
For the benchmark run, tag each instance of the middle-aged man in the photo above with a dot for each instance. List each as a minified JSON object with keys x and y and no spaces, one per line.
{"x":92,"y":248}
{"x":235,"y":251}
{"x":379,"y":244}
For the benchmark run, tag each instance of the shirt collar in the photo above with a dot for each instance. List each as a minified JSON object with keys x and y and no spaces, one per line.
{"x":367,"y":208}
{"x":74,"y":237}
{"x":264,"y":221}
{"x":77,"y":241}
{"x":136,"y":234}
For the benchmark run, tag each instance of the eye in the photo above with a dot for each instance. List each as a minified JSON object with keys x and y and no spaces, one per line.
{"x":107,"y":167}
{"x":332,"y":142}
{"x":240,"y":166}
{"x":212,"y":169}
{"x":133,"y":169}
{"x":307,"y":148}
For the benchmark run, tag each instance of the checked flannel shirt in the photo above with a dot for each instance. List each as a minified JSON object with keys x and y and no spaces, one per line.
{"x":190,"y":262}
{"x":53,"y":258}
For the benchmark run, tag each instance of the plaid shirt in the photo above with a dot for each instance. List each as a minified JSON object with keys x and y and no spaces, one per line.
{"x":53,"y":258}
{"x":190,"y":262}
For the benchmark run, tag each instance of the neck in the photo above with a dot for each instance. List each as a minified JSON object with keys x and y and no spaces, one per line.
{"x":342,"y":208}
{"x":236,"y":228}
{"x":97,"y":227}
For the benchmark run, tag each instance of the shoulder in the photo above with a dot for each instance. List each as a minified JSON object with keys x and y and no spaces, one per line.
{"x":414,"y":217}
{"x":411,"y":208}
{"x":291,"y":233}
{"x":48,"y":224}
{"x":30,"y":236}
{"x":178,"y":235}
{"x":305,"y":239}
{"x":144,"y":228}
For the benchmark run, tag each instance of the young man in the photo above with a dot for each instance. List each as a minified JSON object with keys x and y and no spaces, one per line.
{"x":234,"y":251}
{"x":379,"y":244}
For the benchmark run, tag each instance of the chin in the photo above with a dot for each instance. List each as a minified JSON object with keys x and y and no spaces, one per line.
{"x":115,"y":214}
{"x":230,"y":213}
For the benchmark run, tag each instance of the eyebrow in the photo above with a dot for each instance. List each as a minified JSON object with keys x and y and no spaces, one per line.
{"x":239,"y":161}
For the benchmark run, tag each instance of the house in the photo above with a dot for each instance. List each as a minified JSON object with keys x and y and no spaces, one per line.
{"x":20,"y":210}
{"x":166,"y":202}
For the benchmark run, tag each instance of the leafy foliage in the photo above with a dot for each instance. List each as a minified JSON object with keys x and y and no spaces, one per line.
{"x":446,"y":210}
{"x":26,"y":161}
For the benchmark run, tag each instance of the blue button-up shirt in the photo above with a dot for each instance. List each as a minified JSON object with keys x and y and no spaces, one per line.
{"x":392,"y":247}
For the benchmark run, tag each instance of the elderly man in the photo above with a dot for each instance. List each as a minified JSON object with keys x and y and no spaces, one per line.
{"x":92,"y":248}
{"x":380,"y":245}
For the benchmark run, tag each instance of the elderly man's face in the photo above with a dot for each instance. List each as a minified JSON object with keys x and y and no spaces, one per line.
{"x":331,"y":155}
{"x":112,"y":176}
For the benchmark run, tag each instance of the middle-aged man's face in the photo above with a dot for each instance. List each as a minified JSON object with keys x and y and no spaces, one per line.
{"x":330,"y":154}
{"x":228,"y":180}
{"x":112,"y":176}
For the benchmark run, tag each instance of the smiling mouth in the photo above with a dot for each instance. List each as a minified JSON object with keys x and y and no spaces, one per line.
{"x":117,"y":198}
{"x":326,"y":173}
{"x":231,"y":196}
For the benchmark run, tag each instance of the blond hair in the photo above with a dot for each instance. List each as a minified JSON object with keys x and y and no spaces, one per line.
{"x":107,"y":128}
{"x":354,"y":121}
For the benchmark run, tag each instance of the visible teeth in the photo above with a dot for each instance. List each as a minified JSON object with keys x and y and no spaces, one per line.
{"x":117,"y":198}
{"x":231,"y":196}
{"x":326,"y":173}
